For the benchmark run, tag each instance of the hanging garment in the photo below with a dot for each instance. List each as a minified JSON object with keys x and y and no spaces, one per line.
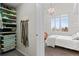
{"x":24,"y":33}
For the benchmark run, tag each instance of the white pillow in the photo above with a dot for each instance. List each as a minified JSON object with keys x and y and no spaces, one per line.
{"x":75,"y":36}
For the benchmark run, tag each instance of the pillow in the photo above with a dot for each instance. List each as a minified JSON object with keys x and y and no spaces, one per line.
{"x":75,"y":36}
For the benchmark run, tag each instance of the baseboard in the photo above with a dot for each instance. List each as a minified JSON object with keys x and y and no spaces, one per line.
{"x":22,"y":52}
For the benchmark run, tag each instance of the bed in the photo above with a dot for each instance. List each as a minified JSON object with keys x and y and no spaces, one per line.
{"x":64,"y":41}
{"x":67,"y":42}
{"x":51,"y":40}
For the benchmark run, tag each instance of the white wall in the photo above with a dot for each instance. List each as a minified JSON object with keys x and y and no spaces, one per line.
{"x":36,"y":43}
{"x":61,"y":9}
{"x":24,"y":11}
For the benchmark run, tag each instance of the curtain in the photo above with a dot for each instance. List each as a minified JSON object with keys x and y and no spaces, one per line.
{"x":24,"y":33}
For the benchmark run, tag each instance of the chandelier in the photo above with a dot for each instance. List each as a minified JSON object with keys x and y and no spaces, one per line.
{"x":51,"y":11}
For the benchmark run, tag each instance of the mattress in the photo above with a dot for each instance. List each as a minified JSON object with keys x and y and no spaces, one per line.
{"x":53,"y":36}
{"x":67,"y":42}
{"x":65,"y":37}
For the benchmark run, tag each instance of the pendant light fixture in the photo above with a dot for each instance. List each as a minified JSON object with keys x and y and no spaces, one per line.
{"x":51,"y":10}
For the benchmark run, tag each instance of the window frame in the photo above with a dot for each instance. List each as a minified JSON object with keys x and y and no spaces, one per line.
{"x":53,"y":28}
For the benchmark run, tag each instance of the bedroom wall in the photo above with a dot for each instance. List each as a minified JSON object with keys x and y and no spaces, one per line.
{"x":61,"y":9}
{"x":33,"y":12}
{"x":27,"y":11}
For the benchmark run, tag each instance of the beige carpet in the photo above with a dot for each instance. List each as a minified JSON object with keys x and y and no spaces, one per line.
{"x":58,"y":51}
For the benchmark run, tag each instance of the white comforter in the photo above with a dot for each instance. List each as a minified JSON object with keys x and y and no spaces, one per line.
{"x":66,"y":41}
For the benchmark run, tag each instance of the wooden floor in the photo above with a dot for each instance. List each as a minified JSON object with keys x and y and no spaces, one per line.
{"x":49,"y":51}
{"x":58,"y":51}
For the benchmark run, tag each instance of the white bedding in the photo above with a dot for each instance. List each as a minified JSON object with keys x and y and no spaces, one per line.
{"x":66,"y":41}
{"x":52,"y":36}
{"x":51,"y":40}
{"x":65,"y":37}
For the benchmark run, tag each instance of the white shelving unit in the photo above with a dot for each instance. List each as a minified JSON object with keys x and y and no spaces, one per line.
{"x":7,"y":9}
{"x":9,"y":19}
{"x":9,"y":14}
{"x":7,"y":28}
{"x":9,"y":23}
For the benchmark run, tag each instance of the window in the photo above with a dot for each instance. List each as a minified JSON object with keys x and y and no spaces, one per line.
{"x":60,"y":23}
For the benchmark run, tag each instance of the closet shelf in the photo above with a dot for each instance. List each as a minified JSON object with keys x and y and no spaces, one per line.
{"x":7,"y":9}
{"x":9,"y":19}
{"x":5,"y":35}
{"x":4,"y":44}
{"x":8,"y":27}
{"x":6,"y":39}
{"x":6,"y":32}
{"x":13,"y":47}
{"x":11,"y":15}
{"x":9,"y":23}
{"x":7,"y":49}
